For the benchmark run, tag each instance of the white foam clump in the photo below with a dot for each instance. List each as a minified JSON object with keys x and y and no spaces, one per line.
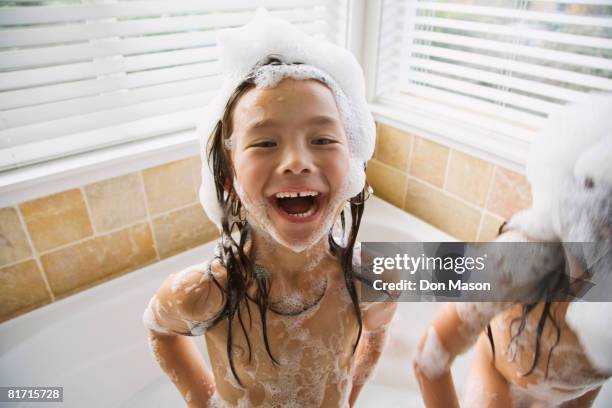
{"x":181,"y":278}
{"x":590,"y":322}
{"x":573,"y":147}
{"x":433,"y":360}
{"x":150,"y":320}
{"x":240,"y":49}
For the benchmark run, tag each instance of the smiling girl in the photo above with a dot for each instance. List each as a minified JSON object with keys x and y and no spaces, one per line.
{"x":279,"y":303}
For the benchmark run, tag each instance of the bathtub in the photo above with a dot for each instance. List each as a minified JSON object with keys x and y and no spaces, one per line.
{"x":94,"y":344}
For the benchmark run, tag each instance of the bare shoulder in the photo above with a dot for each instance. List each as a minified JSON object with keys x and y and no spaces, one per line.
{"x":188,"y":300}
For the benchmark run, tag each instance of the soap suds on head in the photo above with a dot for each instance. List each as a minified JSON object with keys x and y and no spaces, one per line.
{"x":304,"y":57}
{"x":570,"y":153}
{"x":433,"y":360}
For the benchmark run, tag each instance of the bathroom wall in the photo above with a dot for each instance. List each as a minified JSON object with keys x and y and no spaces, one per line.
{"x":460,"y":194}
{"x":58,"y":245}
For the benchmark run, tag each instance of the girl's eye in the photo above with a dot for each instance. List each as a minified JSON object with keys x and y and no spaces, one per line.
{"x":264,"y":144}
{"x":323,"y":141}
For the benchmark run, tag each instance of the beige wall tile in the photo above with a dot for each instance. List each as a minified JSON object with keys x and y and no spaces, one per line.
{"x":388,"y":183}
{"x":79,"y":266}
{"x":116,"y":202}
{"x":22,"y":289}
{"x":196,"y":166}
{"x":393,"y":147}
{"x":510,"y":193}
{"x":489,"y":227}
{"x":14,"y":244}
{"x":180,"y":230}
{"x":57,"y":219}
{"x":428,"y":161}
{"x":469,"y":177}
{"x":169,"y":186}
{"x":442,"y":210}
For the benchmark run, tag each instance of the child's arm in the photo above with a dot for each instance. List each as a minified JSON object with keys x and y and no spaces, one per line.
{"x":446,"y":338}
{"x":456,"y":327}
{"x":376,"y":318}
{"x":182,"y":307}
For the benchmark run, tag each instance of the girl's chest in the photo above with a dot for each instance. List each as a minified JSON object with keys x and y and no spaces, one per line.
{"x":542,"y":355}
{"x":315,"y":340}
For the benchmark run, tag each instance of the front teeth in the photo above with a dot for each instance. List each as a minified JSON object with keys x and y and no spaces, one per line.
{"x":305,"y":214}
{"x":295,"y":194}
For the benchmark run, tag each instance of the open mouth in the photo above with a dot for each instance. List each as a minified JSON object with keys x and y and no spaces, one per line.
{"x":300,"y":206}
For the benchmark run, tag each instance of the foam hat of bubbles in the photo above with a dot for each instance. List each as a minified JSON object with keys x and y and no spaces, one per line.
{"x":572,"y":149}
{"x":241,"y":48}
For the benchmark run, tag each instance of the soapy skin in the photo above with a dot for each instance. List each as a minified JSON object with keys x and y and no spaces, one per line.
{"x":497,"y":381}
{"x":571,"y":182}
{"x":289,"y":139}
{"x":311,"y":323}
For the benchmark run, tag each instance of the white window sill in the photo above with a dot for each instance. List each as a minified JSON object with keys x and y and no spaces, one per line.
{"x":39,"y":180}
{"x":488,"y":145}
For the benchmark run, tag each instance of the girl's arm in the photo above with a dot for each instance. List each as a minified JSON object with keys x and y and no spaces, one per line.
{"x":180,"y":359}
{"x":376,"y":319}
{"x":182,"y":307}
{"x":442,"y":342}
{"x":457,"y":326}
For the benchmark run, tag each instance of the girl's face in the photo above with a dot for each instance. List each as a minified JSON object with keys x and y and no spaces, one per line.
{"x":291,"y":160}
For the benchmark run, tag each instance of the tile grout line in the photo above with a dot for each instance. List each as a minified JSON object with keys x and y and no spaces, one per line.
{"x":486,"y":203}
{"x":438,"y":189}
{"x":446,"y":170}
{"x":488,"y":198}
{"x":407,"y":169}
{"x":480,"y":223}
{"x":89,"y":213}
{"x":112,"y":231}
{"x":35,"y":254}
{"x":194,"y":176}
{"x":148,"y":212}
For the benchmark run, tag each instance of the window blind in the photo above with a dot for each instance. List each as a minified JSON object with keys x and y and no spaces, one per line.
{"x":81,"y":75}
{"x":500,"y":65}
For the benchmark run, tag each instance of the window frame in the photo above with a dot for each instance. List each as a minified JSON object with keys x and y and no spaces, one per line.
{"x":37,"y":180}
{"x":493,"y":147}
{"x":362,"y":37}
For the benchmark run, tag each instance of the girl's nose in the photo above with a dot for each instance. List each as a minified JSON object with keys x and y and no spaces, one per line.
{"x":296,"y":160}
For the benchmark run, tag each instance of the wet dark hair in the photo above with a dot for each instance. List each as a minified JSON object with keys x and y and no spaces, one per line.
{"x":240,"y":268}
{"x":555,"y":285}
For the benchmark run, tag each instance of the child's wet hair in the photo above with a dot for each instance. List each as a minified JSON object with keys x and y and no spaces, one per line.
{"x":554,"y":284}
{"x":240,"y":268}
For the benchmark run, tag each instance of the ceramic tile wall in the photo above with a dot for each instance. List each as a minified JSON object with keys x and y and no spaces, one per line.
{"x":462,"y":195}
{"x":58,"y":245}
